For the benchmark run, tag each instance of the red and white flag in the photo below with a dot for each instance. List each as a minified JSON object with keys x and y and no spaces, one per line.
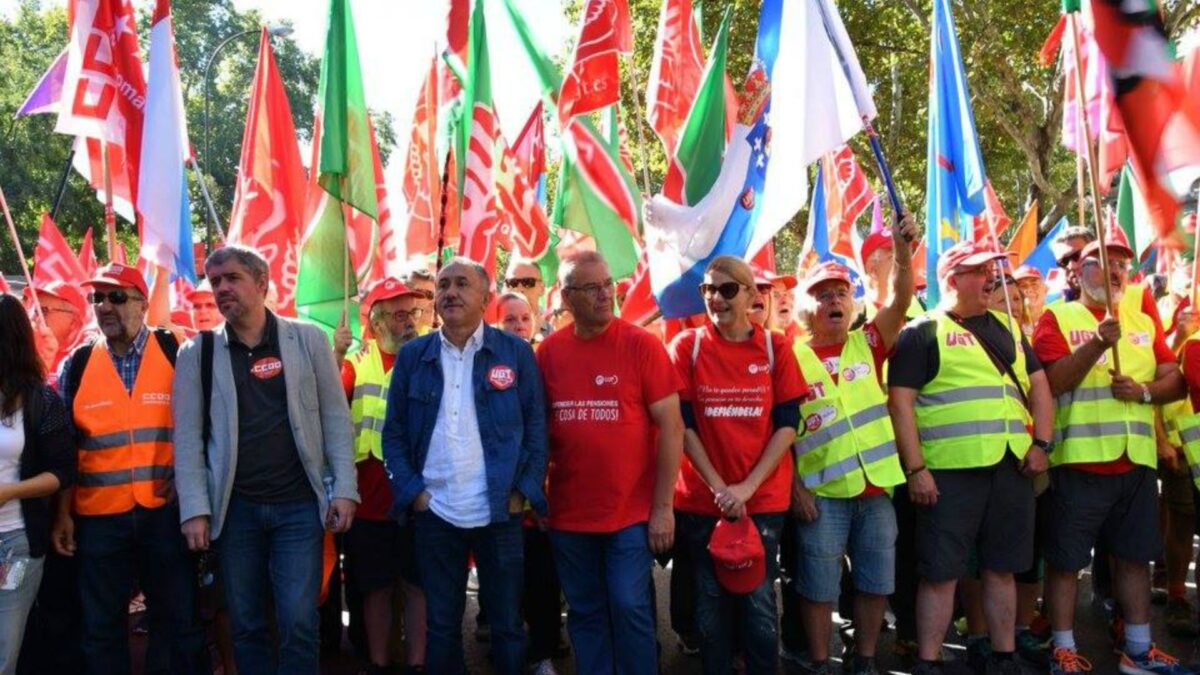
{"x":675,"y":72}
{"x":268,"y":203}
{"x":53,"y":259}
{"x":103,"y":97}
{"x":993,"y":222}
{"x":527,"y":228}
{"x":422,"y":175}
{"x":87,"y":255}
{"x":847,"y":195}
{"x":593,"y":80}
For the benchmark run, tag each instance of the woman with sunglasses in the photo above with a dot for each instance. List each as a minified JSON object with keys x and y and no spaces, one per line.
{"x":741,"y":406}
{"x":37,"y":458}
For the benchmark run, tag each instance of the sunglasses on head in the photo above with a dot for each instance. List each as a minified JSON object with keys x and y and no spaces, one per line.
{"x":115,"y":297}
{"x":523,"y":282}
{"x":727,"y":290}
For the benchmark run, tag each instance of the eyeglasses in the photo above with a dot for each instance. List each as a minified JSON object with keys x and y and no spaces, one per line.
{"x":1070,"y":258}
{"x":764,"y":288}
{"x":401,"y":315}
{"x":114,"y":297}
{"x":522,"y":282}
{"x":727,"y":290}
{"x":594,"y":289}
{"x":833,"y":294}
{"x":425,"y":294}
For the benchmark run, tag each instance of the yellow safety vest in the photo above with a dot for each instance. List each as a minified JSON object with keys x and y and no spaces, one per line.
{"x":847,"y":433}
{"x":970,"y":413}
{"x":1186,"y":426}
{"x":368,"y":404}
{"x":1090,"y":426}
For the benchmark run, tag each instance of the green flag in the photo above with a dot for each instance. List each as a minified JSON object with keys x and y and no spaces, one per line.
{"x":702,"y":143}
{"x":1133,"y":215}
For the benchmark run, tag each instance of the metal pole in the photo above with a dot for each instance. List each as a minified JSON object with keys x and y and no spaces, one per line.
{"x":62,"y":183}
{"x":110,"y":216}
{"x":637,"y":122}
{"x":12,"y":230}
{"x":212,"y":212}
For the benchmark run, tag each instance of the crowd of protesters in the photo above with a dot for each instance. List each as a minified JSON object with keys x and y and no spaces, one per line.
{"x":238,"y":476}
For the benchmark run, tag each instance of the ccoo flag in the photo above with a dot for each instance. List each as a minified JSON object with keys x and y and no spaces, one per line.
{"x":955,"y":180}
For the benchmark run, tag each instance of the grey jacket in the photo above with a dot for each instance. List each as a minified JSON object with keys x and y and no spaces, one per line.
{"x":316,"y":405}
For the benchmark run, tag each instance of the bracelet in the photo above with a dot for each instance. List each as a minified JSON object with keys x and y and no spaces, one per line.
{"x":909,"y":473}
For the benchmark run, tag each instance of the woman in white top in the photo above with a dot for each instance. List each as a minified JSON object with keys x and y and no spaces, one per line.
{"x":37,"y":459}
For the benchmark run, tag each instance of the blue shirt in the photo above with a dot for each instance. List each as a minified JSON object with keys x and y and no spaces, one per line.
{"x":127,"y":365}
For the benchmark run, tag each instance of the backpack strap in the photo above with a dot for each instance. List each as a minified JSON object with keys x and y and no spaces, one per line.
{"x":206,"y":384}
{"x":770,"y":350}
{"x":168,"y":343}
{"x":79,"y":361}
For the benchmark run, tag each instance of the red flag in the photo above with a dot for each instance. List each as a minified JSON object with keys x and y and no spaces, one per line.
{"x":993,"y":222}
{"x":847,"y":195}
{"x":530,"y":148}
{"x":527,"y":229}
{"x":1161,"y":122}
{"x":53,"y":258}
{"x":639,"y":306}
{"x":4,"y":287}
{"x":481,"y":227}
{"x":675,"y":72}
{"x":87,"y":255}
{"x":422,"y":178}
{"x":268,"y":204}
{"x":373,"y":245}
{"x":1104,"y":120}
{"x":103,"y":96}
{"x":593,"y":81}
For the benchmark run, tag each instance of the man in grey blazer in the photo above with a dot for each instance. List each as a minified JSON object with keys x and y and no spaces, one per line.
{"x":278,"y":467}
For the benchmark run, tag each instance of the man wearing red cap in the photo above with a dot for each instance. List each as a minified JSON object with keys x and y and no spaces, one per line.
{"x":1033,"y":291}
{"x":379,"y":553}
{"x":205,"y":315}
{"x":122,"y":516}
{"x":878,"y":256}
{"x":1103,"y":483}
{"x":964,"y":394}
{"x":846,"y":456}
{"x":64,"y":309}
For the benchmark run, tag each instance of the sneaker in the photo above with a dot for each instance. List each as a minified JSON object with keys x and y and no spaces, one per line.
{"x":860,"y":665}
{"x":544,"y":667}
{"x":817,"y":668}
{"x":1153,"y":662}
{"x":1033,"y":648}
{"x":1179,"y":618}
{"x":979,"y":653}
{"x":1065,"y":660}
{"x":1005,"y":667}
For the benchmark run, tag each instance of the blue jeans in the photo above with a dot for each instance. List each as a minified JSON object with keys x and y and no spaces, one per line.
{"x":442,"y":552}
{"x":15,"y":604}
{"x":864,"y":528}
{"x":720,"y":613}
{"x":607,"y":580}
{"x":145,"y":544}
{"x":272,"y":551}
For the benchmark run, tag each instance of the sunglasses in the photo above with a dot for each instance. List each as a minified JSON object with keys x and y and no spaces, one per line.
{"x":114,"y":297}
{"x":727,"y":290}
{"x":522,"y":282}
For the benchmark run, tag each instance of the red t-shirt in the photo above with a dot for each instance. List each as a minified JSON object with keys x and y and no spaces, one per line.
{"x":1050,"y":345}
{"x":374,"y":488}
{"x":732,"y":391}
{"x":831,"y":356}
{"x":603,"y":452}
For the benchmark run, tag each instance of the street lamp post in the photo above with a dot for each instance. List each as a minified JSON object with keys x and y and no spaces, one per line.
{"x":278,"y":30}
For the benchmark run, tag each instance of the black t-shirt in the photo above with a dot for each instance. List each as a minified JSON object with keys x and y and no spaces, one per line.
{"x":914,"y":362}
{"x":268,"y":464}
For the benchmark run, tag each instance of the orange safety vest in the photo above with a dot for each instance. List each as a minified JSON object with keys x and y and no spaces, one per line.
{"x":126,"y":457}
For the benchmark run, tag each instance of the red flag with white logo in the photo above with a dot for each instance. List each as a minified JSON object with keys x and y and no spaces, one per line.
{"x":422,"y":184}
{"x":87,"y":255}
{"x":593,"y":80}
{"x":53,"y":259}
{"x":847,"y":195}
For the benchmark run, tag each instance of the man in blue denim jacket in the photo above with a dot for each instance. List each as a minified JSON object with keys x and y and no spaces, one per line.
{"x":464,"y":443}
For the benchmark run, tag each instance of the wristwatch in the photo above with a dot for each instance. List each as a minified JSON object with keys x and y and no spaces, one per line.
{"x":1145,"y":394}
{"x":1046,"y":446}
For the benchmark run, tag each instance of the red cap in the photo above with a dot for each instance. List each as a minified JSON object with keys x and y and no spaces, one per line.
{"x":965,"y":254}
{"x":1027,"y":272}
{"x":116,"y":274}
{"x":876,"y":241}
{"x":737,"y":554}
{"x":203,"y":288}
{"x":826,"y":271}
{"x":1093,"y":249}
{"x":789,"y":280}
{"x":63,"y":291}
{"x":387,"y":289}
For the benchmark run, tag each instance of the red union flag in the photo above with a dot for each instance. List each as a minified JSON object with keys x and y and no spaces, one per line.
{"x":103,"y":96}
{"x":847,"y":195}
{"x":53,"y":258}
{"x":527,"y":228}
{"x":594,"y":81}
{"x":422,"y":176}
{"x":268,"y":205}
{"x":481,"y":227}
{"x":675,"y":72}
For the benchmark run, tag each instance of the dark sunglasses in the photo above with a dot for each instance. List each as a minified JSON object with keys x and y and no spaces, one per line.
{"x":727,"y":290}
{"x":1069,"y":258}
{"x":524,"y":282}
{"x":115,"y":297}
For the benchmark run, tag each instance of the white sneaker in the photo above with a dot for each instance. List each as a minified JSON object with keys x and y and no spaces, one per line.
{"x":544,"y":667}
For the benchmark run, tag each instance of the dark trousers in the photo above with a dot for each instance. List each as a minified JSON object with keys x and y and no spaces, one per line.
{"x":273,"y":551}
{"x":791,"y":625}
{"x":145,"y":544}
{"x":442,"y":554}
{"x":683,"y":591}
{"x":541,"y":602}
{"x":904,"y":600}
{"x":53,"y":632}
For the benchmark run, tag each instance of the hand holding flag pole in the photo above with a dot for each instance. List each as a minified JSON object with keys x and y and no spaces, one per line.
{"x":12,"y":230}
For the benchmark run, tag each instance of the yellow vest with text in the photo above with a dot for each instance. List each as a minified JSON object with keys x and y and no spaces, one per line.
{"x":368,"y":403}
{"x":1091,"y":426}
{"x":848,"y":436}
{"x":970,"y":413}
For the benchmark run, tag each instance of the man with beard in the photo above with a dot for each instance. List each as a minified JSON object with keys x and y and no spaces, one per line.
{"x":1103,"y":484}
{"x":1068,"y":247}
{"x":464,"y":444}
{"x":121,"y":518}
{"x":265,"y":465}
{"x":379,"y":552}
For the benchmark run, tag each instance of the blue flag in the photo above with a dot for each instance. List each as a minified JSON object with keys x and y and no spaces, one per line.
{"x":955,"y":177}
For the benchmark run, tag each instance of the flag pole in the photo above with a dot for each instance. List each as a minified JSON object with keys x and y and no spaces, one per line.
{"x":110,"y":216}
{"x":212,"y":212}
{"x":12,"y":230}
{"x":62,"y":183}
{"x":346,"y":263}
{"x":635,"y":84}
{"x":441,"y":237}
{"x":1095,"y":182}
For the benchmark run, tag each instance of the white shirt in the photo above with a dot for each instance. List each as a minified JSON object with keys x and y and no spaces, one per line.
{"x":455,"y":475}
{"x":12,"y":444}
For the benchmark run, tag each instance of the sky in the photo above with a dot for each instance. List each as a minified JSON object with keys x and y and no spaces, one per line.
{"x":396,"y":40}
